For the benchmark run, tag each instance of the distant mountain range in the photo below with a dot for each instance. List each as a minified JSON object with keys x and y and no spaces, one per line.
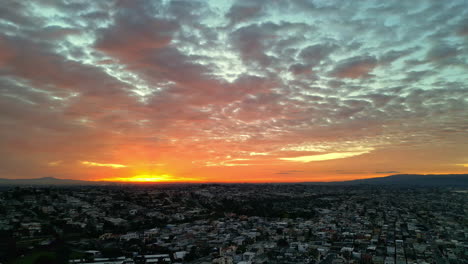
{"x":49,"y":181}
{"x":457,"y":180}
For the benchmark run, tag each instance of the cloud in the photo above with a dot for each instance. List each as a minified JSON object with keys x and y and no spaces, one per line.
{"x":55,"y":163}
{"x":322,"y":157}
{"x":355,"y":68}
{"x":290,"y":172}
{"x":15,"y":13}
{"x":244,"y":10}
{"x":300,"y":69}
{"x":96,"y":164}
{"x":251,"y":42}
{"x":387,"y":172}
{"x":441,"y":53}
{"x":40,"y":65}
{"x":463,"y":30}
{"x":133,"y":33}
{"x":315,"y":54}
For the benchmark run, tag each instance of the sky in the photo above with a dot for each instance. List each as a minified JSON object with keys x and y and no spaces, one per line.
{"x":232,"y":91}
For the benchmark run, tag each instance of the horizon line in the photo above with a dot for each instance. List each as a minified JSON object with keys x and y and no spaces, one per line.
{"x":228,"y":182}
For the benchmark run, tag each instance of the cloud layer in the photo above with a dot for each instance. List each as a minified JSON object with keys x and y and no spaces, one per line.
{"x":189,"y":88}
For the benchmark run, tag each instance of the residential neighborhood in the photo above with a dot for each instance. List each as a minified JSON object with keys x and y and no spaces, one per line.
{"x":234,"y":223}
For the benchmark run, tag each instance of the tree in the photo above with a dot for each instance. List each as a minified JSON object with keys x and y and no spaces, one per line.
{"x":314,"y":253}
{"x":111,"y":252}
{"x":8,"y":248}
{"x":283,"y":243}
{"x":45,"y":260}
{"x":191,"y":255}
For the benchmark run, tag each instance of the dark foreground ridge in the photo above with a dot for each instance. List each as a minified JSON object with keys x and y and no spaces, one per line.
{"x":459,"y":180}
{"x":415,"y":179}
{"x":49,"y":181}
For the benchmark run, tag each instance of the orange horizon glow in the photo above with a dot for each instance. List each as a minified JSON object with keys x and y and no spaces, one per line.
{"x":140,"y":168}
{"x":164,"y":178}
{"x":149,"y":179}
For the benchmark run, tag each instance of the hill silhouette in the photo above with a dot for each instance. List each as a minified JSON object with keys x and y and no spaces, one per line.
{"x":456,"y":180}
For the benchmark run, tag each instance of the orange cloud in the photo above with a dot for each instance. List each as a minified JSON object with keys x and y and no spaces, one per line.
{"x":95,"y":164}
{"x":329,"y":156}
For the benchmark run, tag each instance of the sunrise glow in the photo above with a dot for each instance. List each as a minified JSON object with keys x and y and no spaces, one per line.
{"x":232,"y":91}
{"x":149,"y":179}
{"x":233,"y":131}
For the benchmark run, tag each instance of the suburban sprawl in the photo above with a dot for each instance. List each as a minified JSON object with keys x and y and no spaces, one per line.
{"x":233,"y":223}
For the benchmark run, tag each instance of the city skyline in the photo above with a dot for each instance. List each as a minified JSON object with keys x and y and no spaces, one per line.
{"x":233,"y":91}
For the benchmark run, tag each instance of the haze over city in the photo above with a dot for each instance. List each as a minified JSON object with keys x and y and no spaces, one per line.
{"x":232,"y":91}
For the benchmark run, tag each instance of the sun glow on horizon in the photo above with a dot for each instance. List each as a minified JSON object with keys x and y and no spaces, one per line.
{"x":150,"y":178}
